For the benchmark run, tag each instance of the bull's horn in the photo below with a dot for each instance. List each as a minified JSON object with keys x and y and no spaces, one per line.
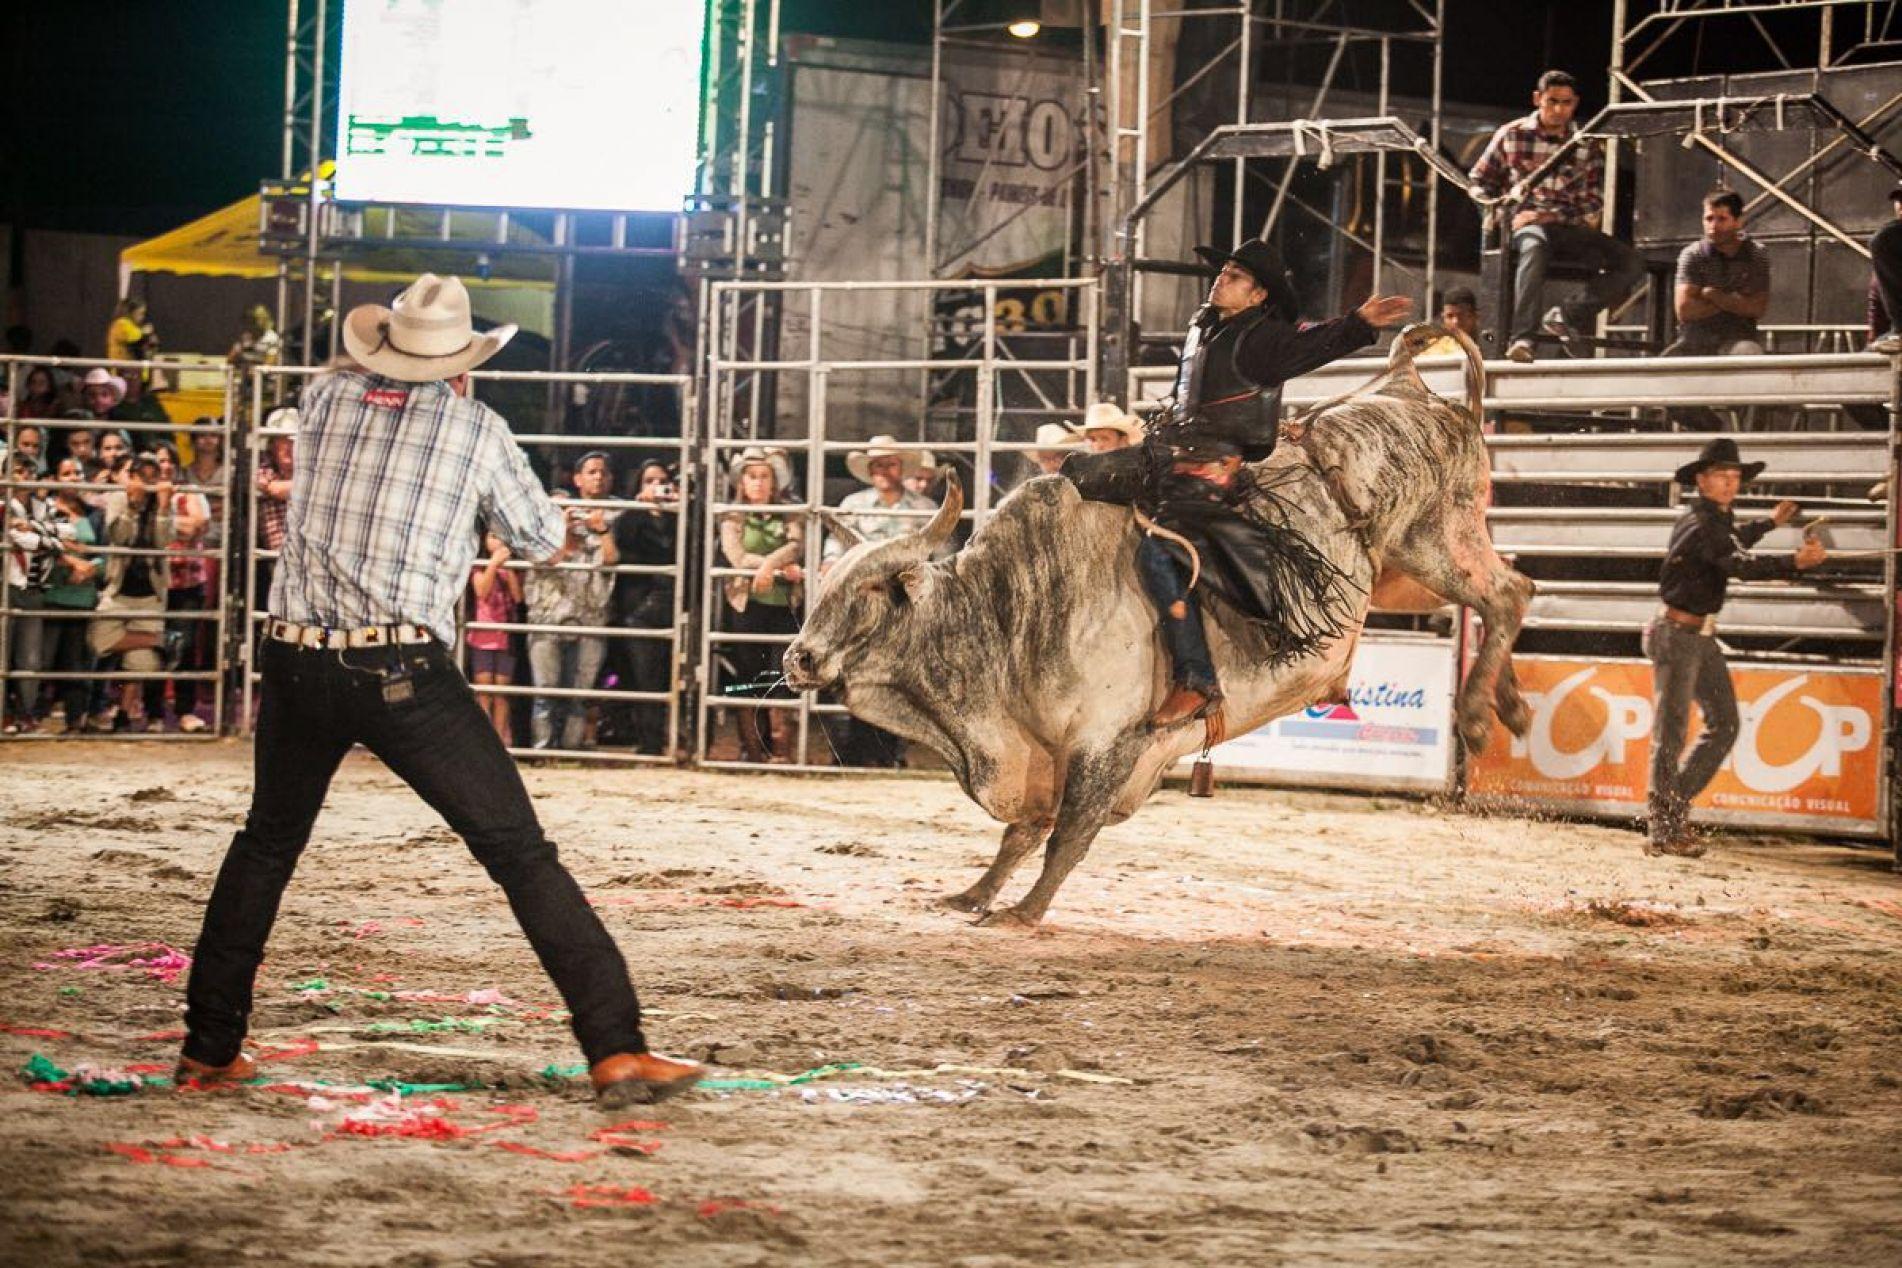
{"x":938,"y":531}
{"x":847,"y":536}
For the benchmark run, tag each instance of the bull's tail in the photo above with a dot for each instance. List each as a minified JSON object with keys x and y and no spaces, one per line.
{"x":1475,"y":372}
{"x":1154,"y":529}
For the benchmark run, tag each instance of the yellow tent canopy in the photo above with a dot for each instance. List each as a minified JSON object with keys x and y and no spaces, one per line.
{"x":225,"y":244}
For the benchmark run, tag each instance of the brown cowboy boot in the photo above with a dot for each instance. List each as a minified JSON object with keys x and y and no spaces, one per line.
{"x":1183,"y":703}
{"x":199,"y":1074}
{"x":640,"y":1078}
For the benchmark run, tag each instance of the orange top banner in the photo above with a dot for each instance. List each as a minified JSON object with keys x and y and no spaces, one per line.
{"x":1809,"y":751}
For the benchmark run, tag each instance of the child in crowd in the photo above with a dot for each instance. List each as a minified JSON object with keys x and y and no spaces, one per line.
{"x":498,"y":601}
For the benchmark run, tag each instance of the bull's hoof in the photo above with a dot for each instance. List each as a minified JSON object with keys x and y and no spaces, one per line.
{"x":1009,"y":918}
{"x":1516,"y":717}
{"x":1475,"y":736}
{"x":969,"y":900}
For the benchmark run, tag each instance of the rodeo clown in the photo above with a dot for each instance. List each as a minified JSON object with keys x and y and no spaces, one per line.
{"x":1708,"y":548}
{"x":1187,"y":473}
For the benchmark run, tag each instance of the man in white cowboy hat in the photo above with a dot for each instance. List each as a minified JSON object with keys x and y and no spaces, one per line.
{"x":1106,"y":427}
{"x":101,"y":391}
{"x":395,"y":465}
{"x":1055,"y":443}
{"x":877,"y":513}
{"x":1708,"y":549}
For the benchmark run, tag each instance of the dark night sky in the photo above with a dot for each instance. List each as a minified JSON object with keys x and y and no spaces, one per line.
{"x":133,"y":116}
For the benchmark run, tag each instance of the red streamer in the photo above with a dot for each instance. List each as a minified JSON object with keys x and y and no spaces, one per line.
{"x":594,"y":1195}
{"x":530,"y":1151}
{"x":32,"y":1033}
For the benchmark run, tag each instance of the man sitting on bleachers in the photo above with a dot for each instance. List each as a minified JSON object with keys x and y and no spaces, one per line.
{"x":1556,"y":219}
{"x":1723,"y":285}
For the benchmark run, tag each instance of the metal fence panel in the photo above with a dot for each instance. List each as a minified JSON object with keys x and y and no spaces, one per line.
{"x":592,"y":704}
{"x":194,"y":617}
{"x":751,"y":404}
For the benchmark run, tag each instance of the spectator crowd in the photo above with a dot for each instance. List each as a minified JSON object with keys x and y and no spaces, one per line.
{"x":118,"y":534}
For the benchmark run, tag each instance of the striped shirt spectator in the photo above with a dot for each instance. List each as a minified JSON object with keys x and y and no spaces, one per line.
{"x":397,"y":547}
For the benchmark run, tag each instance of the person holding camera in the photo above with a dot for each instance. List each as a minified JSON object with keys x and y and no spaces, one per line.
{"x":131,"y":620}
{"x":73,"y":587}
{"x":647,"y":533}
{"x":29,"y":564}
{"x":575,"y":593}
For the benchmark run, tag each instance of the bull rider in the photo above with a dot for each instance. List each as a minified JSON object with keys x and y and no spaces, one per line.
{"x":1188,"y":473}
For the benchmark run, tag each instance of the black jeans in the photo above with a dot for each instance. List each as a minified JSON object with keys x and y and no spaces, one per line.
{"x":1685,"y":666}
{"x":68,"y":652}
{"x":316,"y":704}
{"x":1885,"y":262}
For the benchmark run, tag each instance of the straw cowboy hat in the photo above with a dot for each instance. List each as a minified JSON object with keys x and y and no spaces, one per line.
{"x":1058,"y":436}
{"x":1108,"y":416}
{"x":756,"y":455}
{"x":424,"y":335}
{"x":859,"y":461}
{"x":1721,"y":452}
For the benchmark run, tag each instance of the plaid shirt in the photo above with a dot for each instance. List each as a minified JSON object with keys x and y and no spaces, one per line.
{"x":1574,"y":191}
{"x":391,"y":478}
{"x":271,"y":512}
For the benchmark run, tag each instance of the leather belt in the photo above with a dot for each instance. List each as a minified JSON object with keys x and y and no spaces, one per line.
{"x":369,"y":636}
{"x":1706,"y":625}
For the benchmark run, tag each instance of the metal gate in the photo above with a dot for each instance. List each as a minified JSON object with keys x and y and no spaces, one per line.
{"x":113,"y":661}
{"x":986,"y":371}
{"x":606,"y":680}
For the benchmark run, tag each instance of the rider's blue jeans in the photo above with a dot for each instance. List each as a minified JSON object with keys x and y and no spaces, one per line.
{"x":1167,"y":583}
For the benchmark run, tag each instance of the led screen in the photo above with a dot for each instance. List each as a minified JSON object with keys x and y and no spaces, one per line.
{"x":565,"y":104}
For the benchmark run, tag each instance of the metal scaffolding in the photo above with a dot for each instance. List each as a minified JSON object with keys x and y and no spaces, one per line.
{"x":735,"y":223}
{"x":1139,"y":118}
{"x":308,"y":97}
{"x":1760,"y":49}
{"x":1642,"y":29}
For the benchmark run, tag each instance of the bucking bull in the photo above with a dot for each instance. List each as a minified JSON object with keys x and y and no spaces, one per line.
{"x":1031,"y":660}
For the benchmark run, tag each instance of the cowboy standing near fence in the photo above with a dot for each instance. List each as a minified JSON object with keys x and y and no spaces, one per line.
{"x":1708,"y":548}
{"x":395,"y":465}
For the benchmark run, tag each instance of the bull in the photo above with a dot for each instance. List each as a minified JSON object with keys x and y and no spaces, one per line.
{"x":1030,"y":661}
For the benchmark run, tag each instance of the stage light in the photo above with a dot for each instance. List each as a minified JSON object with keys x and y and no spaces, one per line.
{"x":1024,"y":28}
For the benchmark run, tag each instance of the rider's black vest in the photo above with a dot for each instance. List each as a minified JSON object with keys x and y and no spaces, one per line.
{"x":1215,"y":401}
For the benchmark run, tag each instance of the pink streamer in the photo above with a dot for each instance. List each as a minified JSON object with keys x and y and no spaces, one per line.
{"x":158,"y":960}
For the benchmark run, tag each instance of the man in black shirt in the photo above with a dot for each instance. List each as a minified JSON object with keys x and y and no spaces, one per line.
{"x":1708,"y":548}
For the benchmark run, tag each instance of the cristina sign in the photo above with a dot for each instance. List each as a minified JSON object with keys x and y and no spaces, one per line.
{"x":1392,"y":731}
{"x":582,"y":105}
{"x":1808,"y":751}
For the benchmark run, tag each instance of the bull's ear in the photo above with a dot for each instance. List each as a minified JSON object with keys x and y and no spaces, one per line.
{"x":916,"y":581}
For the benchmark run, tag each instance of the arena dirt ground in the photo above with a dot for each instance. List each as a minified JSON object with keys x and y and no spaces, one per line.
{"x":1271,"y":1028}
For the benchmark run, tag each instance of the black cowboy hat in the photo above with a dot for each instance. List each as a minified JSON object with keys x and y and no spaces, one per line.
{"x":1263,"y":263}
{"x":1721,"y":452}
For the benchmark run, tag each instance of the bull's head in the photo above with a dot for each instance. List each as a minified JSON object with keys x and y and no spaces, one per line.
{"x":866,"y":600}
